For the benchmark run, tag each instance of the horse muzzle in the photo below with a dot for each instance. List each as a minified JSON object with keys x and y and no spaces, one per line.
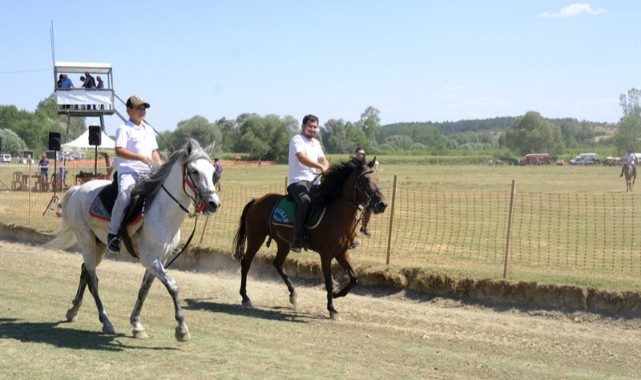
{"x":379,"y":206}
{"x":212,"y":204}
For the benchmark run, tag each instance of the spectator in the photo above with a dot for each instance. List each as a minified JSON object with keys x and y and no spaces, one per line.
{"x":137,"y":153}
{"x":100,"y":84}
{"x":218,"y":174}
{"x":89,"y":81}
{"x":359,"y":159}
{"x":60,"y":79}
{"x":66,"y":83}
{"x":305,"y":158}
{"x":43,"y":164}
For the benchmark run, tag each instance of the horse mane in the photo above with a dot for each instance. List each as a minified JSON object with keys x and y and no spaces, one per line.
{"x":331,"y":186}
{"x":150,"y":186}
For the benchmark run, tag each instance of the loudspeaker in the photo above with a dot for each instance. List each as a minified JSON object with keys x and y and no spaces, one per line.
{"x":95,"y":137}
{"x":54,"y":141}
{"x":0,"y":144}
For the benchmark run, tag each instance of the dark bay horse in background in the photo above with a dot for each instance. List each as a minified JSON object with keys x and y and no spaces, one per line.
{"x":630,"y":176}
{"x":345,"y":187}
{"x":186,"y":178}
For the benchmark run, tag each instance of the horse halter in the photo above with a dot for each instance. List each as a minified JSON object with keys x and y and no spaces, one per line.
{"x":360,"y":187}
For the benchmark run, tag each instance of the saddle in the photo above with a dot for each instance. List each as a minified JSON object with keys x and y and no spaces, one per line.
{"x":284,"y":211}
{"x":104,"y":201}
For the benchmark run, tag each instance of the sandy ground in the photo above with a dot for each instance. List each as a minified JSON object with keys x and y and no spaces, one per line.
{"x":459,"y":340}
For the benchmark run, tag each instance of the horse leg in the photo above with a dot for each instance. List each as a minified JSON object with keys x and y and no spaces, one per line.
{"x":353,"y":278}
{"x":134,"y":319}
{"x":92,"y":283}
{"x":326,"y":265}
{"x":182,"y":332}
{"x":281,"y":255}
{"x":245,"y":264}
{"x":77,"y":301}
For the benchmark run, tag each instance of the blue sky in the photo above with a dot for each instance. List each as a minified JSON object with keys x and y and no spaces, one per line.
{"x":412,"y":60}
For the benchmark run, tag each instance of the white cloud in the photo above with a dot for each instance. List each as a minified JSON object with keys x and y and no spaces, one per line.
{"x":574,"y":10}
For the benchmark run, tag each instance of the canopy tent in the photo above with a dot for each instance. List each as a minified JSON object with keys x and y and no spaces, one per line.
{"x":82,"y":143}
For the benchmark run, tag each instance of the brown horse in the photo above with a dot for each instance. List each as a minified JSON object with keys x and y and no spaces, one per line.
{"x":630,"y":176}
{"x":345,"y":187}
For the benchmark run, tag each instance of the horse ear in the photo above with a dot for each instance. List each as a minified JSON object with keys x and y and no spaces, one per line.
{"x":210,"y":148}
{"x":371,"y":163}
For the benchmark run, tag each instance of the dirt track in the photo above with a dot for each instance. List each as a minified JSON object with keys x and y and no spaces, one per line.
{"x":428,"y":338}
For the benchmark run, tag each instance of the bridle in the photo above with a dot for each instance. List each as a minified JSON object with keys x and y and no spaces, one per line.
{"x":197,"y":199}
{"x":197,"y":196}
{"x":360,"y":188}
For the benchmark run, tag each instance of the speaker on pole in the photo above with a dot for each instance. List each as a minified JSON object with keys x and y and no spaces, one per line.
{"x":54,"y":141}
{"x":95,"y":137}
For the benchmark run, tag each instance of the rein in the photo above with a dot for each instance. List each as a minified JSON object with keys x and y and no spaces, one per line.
{"x":199,"y":206}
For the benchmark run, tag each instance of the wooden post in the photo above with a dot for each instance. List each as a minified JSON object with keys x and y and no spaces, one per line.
{"x":509,"y":230}
{"x":391,"y":222}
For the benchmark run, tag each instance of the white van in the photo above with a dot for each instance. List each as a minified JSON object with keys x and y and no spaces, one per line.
{"x":6,"y":157}
{"x":585,"y":159}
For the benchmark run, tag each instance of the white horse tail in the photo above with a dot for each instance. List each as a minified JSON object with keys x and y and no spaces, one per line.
{"x":65,"y":236}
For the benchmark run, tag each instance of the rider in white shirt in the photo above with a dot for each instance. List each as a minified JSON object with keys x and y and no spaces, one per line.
{"x":631,"y":159}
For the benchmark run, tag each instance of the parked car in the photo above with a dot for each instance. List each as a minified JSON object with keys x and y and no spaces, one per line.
{"x":536,"y":159}
{"x":6,"y":157}
{"x":75,"y":156}
{"x":585,"y":159}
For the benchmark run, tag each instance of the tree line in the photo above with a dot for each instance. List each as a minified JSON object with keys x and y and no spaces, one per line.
{"x":267,"y":137}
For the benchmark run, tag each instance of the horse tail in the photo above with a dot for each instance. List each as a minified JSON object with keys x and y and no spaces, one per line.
{"x":65,"y":237}
{"x":241,"y":234}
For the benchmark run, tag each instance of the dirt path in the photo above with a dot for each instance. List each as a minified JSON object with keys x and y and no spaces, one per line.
{"x":410,"y":335}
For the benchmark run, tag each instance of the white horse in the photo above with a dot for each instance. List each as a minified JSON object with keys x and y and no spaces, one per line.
{"x":186,"y":177}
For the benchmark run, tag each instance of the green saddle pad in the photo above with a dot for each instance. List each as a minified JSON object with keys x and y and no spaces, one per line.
{"x":283,"y":214}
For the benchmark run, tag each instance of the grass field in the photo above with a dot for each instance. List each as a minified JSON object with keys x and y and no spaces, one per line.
{"x":571,"y":225}
{"x":382,"y":335}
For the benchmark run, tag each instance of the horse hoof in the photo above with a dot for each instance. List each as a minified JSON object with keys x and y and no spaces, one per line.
{"x":108,"y":329}
{"x":140,"y":334}
{"x":293,"y":299}
{"x":182,"y":334}
{"x":334,"y":316}
{"x":71,"y":316}
{"x":248,"y":304}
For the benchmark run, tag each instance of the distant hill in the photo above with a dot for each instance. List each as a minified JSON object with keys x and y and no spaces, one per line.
{"x":496,"y":124}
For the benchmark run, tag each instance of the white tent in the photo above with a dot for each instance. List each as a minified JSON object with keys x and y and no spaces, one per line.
{"x":82,"y":143}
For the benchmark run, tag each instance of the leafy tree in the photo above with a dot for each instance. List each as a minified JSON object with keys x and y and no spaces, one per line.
{"x":11,"y":142}
{"x":48,"y":109}
{"x":200,"y":129}
{"x":576,"y":134}
{"x":632,"y":103}
{"x":230,"y":136}
{"x":531,"y":133}
{"x":399,"y":142}
{"x":266,"y":138}
{"x":370,"y":123}
{"x":341,"y":137}
{"x":628,"y":136}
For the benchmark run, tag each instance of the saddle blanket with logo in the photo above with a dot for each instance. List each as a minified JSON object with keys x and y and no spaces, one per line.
{"x":283,"y":214}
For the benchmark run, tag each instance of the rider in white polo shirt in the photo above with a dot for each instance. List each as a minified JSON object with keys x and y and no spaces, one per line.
{"x":305,"y":158}
{"x":137,"y":152}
